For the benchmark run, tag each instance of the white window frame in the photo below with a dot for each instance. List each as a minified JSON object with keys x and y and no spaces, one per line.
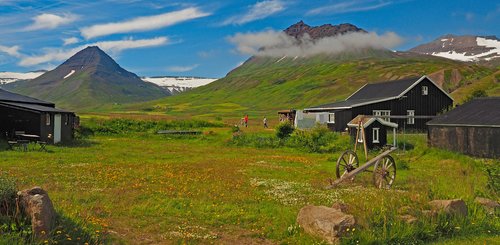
{"x":330,"y":117}
{"x":411,"y":117}
{"x":382,"y":113}
{"x":376,"y":132}
{"x":425,"y":90}
{"x":47,"y":119}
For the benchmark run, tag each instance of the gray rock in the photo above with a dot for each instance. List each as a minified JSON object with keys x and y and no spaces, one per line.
{"x":36,"y":204}
{"x":327,"y":223}
{"x":490,"y":205}
{"x":408,"y":219}
{"x":452,"y":207}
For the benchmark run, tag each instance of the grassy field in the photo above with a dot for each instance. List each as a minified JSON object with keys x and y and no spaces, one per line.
{"x":142,"y":188}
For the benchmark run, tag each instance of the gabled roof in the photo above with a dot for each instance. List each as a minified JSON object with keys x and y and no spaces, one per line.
{"x":367,"y":120}
{"x":32,"y":107}
{"x":480,"y":112}
{"x":7,"y":96}
{"x":376,"y":92}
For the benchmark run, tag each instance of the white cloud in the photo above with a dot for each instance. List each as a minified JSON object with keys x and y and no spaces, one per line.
{"x":350,"y":6}
{"x":70,"y":40}
{"x":182,"y":68}
{"x":278,"y":44}
{"x":12,"y":50}
{"x":50,"y":21}
{"x":113,"y":47}
{"x":141,"y":24}
{"x":258,"y":11}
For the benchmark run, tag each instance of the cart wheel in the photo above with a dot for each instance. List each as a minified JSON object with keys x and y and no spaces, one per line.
{"x":346,"y":163}
{"x":384,"y":172}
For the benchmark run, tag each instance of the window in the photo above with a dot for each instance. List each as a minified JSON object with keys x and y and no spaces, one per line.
{"x":382,"y":113}
{"x":331,"y":117}
{"x":411,"y":117}
{"x":47,"y":119}
{"x":375,"y":135}
{"x":425,"y":90}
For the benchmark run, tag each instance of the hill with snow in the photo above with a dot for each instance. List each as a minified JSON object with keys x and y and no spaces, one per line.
{"x":177,"y":85}
{"x":462,"y":48}
{"x":9,"y":77}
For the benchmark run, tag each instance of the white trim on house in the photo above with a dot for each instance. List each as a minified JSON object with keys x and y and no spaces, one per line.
{"x":376,"y":139}
{"x":357,"y":91}
{"x":411,"y":117}
{"x":330,"y":115}
{"x":373,"y":119}
{"x":418,"y":81}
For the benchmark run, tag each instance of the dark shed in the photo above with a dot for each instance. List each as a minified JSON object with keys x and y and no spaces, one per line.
{"x":34,"y":117}
{"x":472,"y":128}
{"x":375,"y":129}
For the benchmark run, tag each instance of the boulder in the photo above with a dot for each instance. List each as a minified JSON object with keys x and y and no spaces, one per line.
{"x":452,"y":207}
{"x":409,"y":219}
{"x":327,"y":223}
{"x":36,"y":205}
{"x":488,"y":204}
{"x":341,"y":206}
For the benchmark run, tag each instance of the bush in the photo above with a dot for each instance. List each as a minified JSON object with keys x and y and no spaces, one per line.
{"x":124,"y":126}
{"x":8,"y":192}
{"x":284,"y":130}
{"x":318,"y":139}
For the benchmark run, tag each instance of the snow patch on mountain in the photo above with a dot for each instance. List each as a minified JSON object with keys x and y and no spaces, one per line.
{"x":178,"y":84}
{"x":9,"y":77}
{"x":69,"y":74}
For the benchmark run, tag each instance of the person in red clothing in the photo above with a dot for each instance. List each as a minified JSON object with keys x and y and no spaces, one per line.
{"x":246,"y":121}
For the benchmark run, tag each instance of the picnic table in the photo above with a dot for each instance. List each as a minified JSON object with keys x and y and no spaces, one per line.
{"x":24,"y":140}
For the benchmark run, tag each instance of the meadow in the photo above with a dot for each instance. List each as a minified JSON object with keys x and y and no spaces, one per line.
{"x":121,"y":183}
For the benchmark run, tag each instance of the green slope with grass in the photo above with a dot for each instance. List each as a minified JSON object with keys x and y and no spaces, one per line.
{"x":264,"y":85}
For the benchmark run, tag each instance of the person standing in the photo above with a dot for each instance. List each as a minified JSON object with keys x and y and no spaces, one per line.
{"x":246,"y":121}
{"x":265,"y":122}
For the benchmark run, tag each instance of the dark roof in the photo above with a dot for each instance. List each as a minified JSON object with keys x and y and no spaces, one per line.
{"x":481,"y":112}
{"x":375,"y":92}
{"x":33,"y":107}
{"x":385,"y":89}
{"x":13,"y":97}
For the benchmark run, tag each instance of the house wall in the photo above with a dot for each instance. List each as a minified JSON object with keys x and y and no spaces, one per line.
{"x":66,"y":127}
{"x":342,"y":117}
{"x":369,"y":135}
{"x":475,"y":141}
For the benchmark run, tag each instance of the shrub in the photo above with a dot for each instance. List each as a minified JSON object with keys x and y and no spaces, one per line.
{"x":318,"y":139}
{"x":124,"y":126}
{"x":8,"y":192}
{"x":284,"y":130}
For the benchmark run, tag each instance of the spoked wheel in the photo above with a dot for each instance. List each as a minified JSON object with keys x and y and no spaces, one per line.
{"x":384,"y":173}
{"x":346,"y":163}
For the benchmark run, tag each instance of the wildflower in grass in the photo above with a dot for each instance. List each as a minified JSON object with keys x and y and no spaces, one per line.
{"x":58,"y":232}
{"x":45,"y":241}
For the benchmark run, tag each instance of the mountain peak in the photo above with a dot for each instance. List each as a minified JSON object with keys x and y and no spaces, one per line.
{"x":316,"y":32}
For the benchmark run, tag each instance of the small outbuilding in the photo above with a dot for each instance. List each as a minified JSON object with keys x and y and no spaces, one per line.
{"x":472,"y":128}
{"x":372,"y":130}
{"x":23,"y":116}
{"x":287,"y":116}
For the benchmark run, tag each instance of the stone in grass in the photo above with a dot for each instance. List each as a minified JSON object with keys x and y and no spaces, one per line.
{"x":341,"y":206}
{"x":326,"y":223}
{"x":35,"y":203}
{"x":452,"y":207}
{"x":490,"y":205}
{"x":409,"y":219}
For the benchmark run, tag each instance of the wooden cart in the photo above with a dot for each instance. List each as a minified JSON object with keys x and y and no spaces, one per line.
{"x":347,"y":167}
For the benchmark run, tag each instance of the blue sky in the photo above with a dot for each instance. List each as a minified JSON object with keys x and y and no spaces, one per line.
{"x":192,"y":37}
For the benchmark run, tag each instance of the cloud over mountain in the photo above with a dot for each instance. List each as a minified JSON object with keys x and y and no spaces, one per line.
{"x":114,"y":47}
{"x":279,"y":44}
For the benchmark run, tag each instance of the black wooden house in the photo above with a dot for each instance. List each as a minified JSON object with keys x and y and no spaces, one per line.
{"x":410,"y":103}
{"x":374,"y":129}
{"x":22,"y":115}
{"x":472,"y":128}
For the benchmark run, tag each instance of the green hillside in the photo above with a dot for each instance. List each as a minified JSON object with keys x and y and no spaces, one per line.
{"x":264,"y":85}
